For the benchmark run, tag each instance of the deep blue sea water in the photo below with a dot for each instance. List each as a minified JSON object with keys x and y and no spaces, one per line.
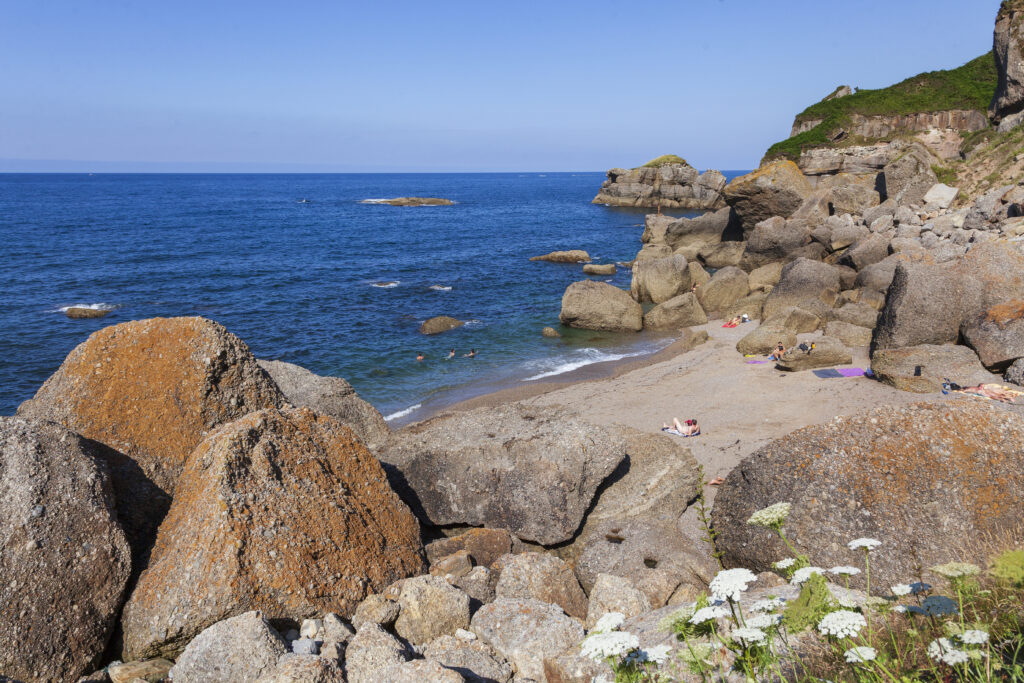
{"x":296,"y":280}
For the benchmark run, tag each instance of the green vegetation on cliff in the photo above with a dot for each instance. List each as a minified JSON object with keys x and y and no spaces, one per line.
{"x":970,"y":86}
{"x":664,"y":160}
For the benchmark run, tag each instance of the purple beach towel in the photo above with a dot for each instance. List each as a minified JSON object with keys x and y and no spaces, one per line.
{"x":759,"y":362}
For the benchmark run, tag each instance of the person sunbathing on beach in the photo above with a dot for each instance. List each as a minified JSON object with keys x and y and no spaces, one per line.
{"x":735,"y":322}
{"x":691,"y":428}
{"x":995,"y":392}
{"x":778,"y":352}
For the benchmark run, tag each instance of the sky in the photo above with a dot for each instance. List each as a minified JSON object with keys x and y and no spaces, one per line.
{"x":394,"y":86}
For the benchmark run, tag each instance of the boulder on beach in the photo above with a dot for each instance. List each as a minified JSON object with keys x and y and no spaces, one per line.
{"x":997,"y":334}
{"x":764,"y":338}
{"x":678,"y":312}
{"x":570,"y":256}
{"x":659,"y":279}
{"x":848,"y":334}
{"x":242,"y":648}
{"x":802,"y":283}
{"x":932,"y":482}
{"x":827,"y":352}
{"x":283,"y":511}
{"x":702,"y":231}
{"x":774,"y":240}
{"x":542,"y":577}
{"x":599,"y":269}
{"x":727,"y":286}
{"x":331,"y":396}
{"x":591,"y":305}
{"x":923,"y":368}
{"x":526,"y":632}
{"x":439,"y":324}
{"x":777,"y":189}
{"x":64,"y":559}
{"x":532,"y":471}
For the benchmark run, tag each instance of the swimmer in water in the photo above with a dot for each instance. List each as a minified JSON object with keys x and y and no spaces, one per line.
{"x":471,"y":354}
{"x":451,"y":354}
{"x":419,"y":357}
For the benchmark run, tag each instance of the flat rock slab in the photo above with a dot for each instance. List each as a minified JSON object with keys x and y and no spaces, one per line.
{"x":923,"y":369}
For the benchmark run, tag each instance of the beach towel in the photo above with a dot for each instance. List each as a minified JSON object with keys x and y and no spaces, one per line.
{"x":676,"y":432}
{"x":852,"y":372}
{"x":759,"y":362}
{"x":833,"y":373}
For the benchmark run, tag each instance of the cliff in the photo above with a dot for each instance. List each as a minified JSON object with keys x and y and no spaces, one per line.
{"x":666,"y":182}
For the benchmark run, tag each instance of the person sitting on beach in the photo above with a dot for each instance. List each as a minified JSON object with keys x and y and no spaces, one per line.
{"x":471,"y":354}
{"x":419,"y":357}
{"x":778,"y":352}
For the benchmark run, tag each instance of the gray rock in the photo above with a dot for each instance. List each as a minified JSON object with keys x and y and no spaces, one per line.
{"x":64,"y":559}
{"x":778,"y":189}
{"x":680,"y":311}
{"x":763,"y":339}
{"x":672,"y":185}
{"x":376,"y":609}
{"x":827,"y":352}
{"x":774,"y":239}
{"x":793,"y":319}
{"x":1008,"y":99}
{"x":749,"y":305}
{"x":845,"y":234}
{"x":1015,"y":373}
{"x":997,"y":335}
{"x":526,"y":632}
{"x":305,"y":646}
{"x":946,"y":251}
{"x":854,"y":198}
{"x":901,"y":245}
{"x":474,"y":660}
{"x":304,"y":668}
{"x":886,"y":208}
{"x":923,"y":368}
{"x":866,"y":251}
{"x":329,"y":396}
{"x":594,"y":305}
{"x":802,"y":281}
{"x":615,"y":594}
{"x":860,"y":314}
{"x":336,"y":630}
{"x":726,"y":287}
{"x":701,"y":231}
{"x":541,"y":577}
{"x":241,"y":648}
{"x":420,"y":670}
{"x":430,"y":607}
{"x":765,"y":277}
{"x":658,"y":280}
{"x":909,"y":176}
{"x":722,"y":255}
{"x":478,"y":584}
{"x":540,"y":469}
{"x":371,"y":653}
{"x":850,"y":335}
{"x":833,"y":476}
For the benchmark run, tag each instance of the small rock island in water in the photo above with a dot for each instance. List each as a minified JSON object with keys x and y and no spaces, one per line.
{"x":411,"y":201}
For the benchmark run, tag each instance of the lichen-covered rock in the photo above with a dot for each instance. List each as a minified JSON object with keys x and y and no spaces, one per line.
{"x":925,"y":367}
{"x":591,"y":305}
{"x":282,"y":511}
{"x":241,"y":648}
{"x":777,"y":189}
{"x":331,"y":396}
{"x":430,"y":607}
{"x":477,"y":662}
{"x":678,"y":312}
{"x":478,"y":584}
{"x":541,"y":577}
{"x":530,"y":470}
{"x":615,"y":594}
{"x":439,"y":324}
{"x":453,"y":566}
{"x":293,"y":668}
{"x":930,"y":481}
{"x":64,"y":561}
{"x":371,"y":653}
{"x":483,"y":545}
{"x":526,"y":632}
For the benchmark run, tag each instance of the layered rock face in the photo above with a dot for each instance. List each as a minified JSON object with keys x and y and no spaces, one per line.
{"x":1007,"y":108}
{"x":672,"y":186}
{"x":922,"y":479}
{"x":283,"y":511}
{"x":64,"y":559}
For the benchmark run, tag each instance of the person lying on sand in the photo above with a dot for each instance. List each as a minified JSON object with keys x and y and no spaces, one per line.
{"x":735,"y":322}
{"x":994,"y":392}
{"x":691,"y":428}
{"x":717,"y":481}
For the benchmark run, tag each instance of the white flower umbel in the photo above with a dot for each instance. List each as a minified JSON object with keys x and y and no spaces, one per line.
{"x":748,"y":636}
{"x":860,"y":655}
{"x":901,"y":589}
{"x":763,"y":621}
{"x":729,"y":584}
{"x":943,"y":650}
{"x":785,"y":564}
{"x":604,"y":645}
{"x":868,"y":544}
{"x":609,"y":622}
{"x":842,"y":624}
{"x":956,"y":570}
{"x":708,"y":614}
{"x":772,"y":516}
{"x":657,"y":654}
{"x":767,"y":605}
{"x":804,"y":573}
{"x":974,"y":636}
{"x":844,"y":571}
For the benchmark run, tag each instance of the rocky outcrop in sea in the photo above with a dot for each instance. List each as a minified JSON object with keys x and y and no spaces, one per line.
{"x":666,"y":182}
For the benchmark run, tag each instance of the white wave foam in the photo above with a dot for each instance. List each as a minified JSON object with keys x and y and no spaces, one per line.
{"x":386,"y":285}
{"x":577,"y":360}
{"x":440,"y":288}
{"x":95,"y":307}
{"x":402,"y":413}
{"x":374,"y":201}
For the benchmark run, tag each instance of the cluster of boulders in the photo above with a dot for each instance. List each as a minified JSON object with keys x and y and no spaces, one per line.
{"x":668,"y":185}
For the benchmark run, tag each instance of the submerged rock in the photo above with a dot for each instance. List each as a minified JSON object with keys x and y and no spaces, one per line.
{"x":80,"y":312}
{"x":412,"y":201}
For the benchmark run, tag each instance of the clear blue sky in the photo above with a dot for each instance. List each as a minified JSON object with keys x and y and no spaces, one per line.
{"x":445,"y":85}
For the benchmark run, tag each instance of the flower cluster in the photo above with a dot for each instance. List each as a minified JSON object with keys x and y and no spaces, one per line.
{"x":608,"y":623}
{"x":901,"y":589}
{"x":956,"y":570}
{"x":943,"y":650}
{"x":767,"y":605}
{"x":859,"y":655}
{"x":604,"y":645}
{"x":729,"y":584}
{"x":804,"y":573}
{"x":844,"y":571}
{"x":764,"y":621}
{"x":748,"y":636}
{"x":974,"y":637}
{"x":656,"y":655}
{"x":842,"y":624}
{"x":773,"y":516}
{"x":868,"y":544}
{"x":785,"y":564}
{"x":708,"y":614}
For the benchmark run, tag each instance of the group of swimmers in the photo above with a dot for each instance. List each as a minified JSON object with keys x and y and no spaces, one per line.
{"x":451,"y":354}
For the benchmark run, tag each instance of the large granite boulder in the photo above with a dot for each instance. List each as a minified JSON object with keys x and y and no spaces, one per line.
{"x":866,"y":251}
{"x":923,"y":368}
{"x":310,"y":668}
{"x":827,"y":352}
{"x":909,"y":176}
{"x":997,"y":334}
{"x":802,"y":284}
{"x":777,"y":189}
{"x":722,"y":255}
{"x":526,"y":632}
{"x":615,"y":594}
{"x":541,"y":577}
{"x":773,"y":240}
{"x":1008,"y":100}
{"x":849,"y":334}
{"x":667,"y":182}
{"x":472,"y":658}
{"x":64,"y":560}
{"x":727,"y":286}
{"x":533,"y":471}
{"x":242,"y":648}
{"x":281,"y":511}
{"x":764,"y":338}
{"x":853,"y":198}
{"x":679,"y":311}
{"x":591,"y":305}
{"x":658,"y":280}
{"x":932,"y":482}
{"x":331,"y":396}
{"x":484,"y":546}
{"x":793,"y":319}
{"x":702,"y":231}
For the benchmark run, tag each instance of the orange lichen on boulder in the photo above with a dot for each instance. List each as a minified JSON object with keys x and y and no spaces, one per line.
{"x":1005,"y":313}
{"x":283,"y":511}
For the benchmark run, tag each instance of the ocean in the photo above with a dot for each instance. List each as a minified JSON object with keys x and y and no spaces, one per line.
{"x":332,"y":283}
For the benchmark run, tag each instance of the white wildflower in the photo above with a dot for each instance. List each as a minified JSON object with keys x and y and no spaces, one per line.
{"x":669,"y":622}
{"x":771,"y":516}
{"x":901,"y":589}
{"x":708,"y":614}
{"x":844,"y":571}
{"x":764,"y":621}
{"x":868,"y":544}
{"x":847,"y":602}
{"x":657,"y":654}
{"x":858,"y":655}
{"x":748,"y":636}
{"x":974,"y":637}
{"x":943,"y":650}
{"x":956,"y":570}
{"x":609,"y":622}
{"x":804,"y":573}
{"x":602,"y":679}
{"x":767,"y":605}
{"x":604,"y":645}
{"x":842,"y":624}
{"x":900,"y":609}
{"x":729,"y":584}
{"x":785,"y":564}
{"x":939,"y":606}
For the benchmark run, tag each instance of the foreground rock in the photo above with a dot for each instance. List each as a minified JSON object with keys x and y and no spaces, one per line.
{"x":571,"y":256}
{"x":64,"y":560}
{"x":526,"y":632}
{"x":281,"y":511}
{"x":331,"y":396}
{"x":439,"y":324}
{"x":241,"y":648}
{"x":532,"y":471}
{"x":591,"y":305}
{"x":541,"y":577}
{"x":430,"y":607}
{"x":925,"y":367}
{"x":909,"y":476}
{"x":667,"y":182}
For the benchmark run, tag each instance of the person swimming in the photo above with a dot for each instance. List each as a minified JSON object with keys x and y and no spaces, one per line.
{"x":451,"y":354}
{"x":471,"y":354}
{"x":420,"y":356}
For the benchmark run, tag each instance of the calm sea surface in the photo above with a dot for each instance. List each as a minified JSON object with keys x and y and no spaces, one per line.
{"x":300,"y":281}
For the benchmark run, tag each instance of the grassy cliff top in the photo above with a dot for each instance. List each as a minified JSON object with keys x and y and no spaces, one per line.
{"x":970,"y":86}
{"x":664,"y":160}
